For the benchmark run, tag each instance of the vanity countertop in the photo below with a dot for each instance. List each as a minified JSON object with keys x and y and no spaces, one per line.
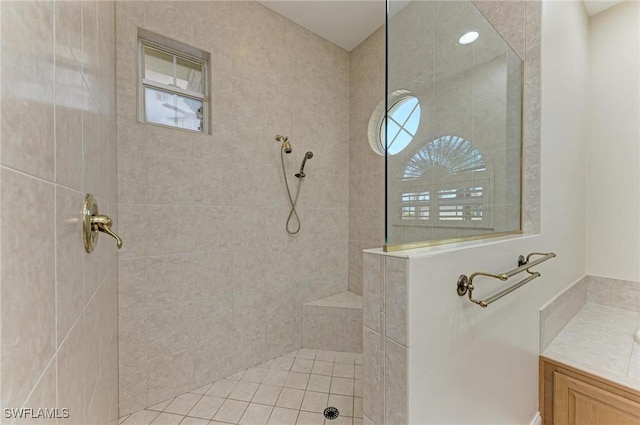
{"x":600,"y":340}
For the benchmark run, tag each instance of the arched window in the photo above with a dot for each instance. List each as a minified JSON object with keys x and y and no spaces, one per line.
{"x":455,"y":154}
{"x":404,"y":119}
{"x":461,"y":192}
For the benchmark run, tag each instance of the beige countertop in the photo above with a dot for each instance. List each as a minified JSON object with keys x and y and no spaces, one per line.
{"x":600,"y":340}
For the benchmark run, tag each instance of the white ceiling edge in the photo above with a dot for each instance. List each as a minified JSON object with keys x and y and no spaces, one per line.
{"x":345,"y":23}
{"x":593,"y":7}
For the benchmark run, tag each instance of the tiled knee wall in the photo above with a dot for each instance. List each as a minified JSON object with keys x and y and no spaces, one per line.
{"x":384,"y":339}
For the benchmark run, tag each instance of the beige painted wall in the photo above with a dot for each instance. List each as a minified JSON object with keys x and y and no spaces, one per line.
{"x":613,"y":143}
{"x":210,"y":282}
{"x":59,"y":305}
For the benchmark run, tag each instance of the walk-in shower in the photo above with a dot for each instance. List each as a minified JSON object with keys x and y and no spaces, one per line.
{"x":286,"y":149}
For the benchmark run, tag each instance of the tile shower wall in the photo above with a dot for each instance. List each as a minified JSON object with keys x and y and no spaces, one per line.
{"x":366,"y":169}
{"x":59,"y":304}
{"x":209,"y":280}
{"x":385,"y":339}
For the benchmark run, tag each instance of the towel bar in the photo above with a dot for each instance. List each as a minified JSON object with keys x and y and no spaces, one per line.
{"x":465,"y":284}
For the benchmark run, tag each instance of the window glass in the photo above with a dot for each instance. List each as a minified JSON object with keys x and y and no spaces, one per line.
{"x":404,"y":119}
{"x":172,"y":109}
{"x":158,"y":66}
{"x":189,"y":75}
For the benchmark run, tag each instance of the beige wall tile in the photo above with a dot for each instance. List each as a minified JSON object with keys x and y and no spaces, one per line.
{"x":169,"y":229}
{"x":28,"y":88}
{"x":69,"y":259}
{"x":395,"y":299}
{"x":28,"y":275}
{"x":44,"y":394}
{"x":169,"y":180}
{"x":71,"y":377}
{"x":372,"y":379}
{"x":395,"y":384}
{"x":372,"y":290}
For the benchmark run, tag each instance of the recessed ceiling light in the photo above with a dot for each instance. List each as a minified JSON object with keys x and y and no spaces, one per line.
{"x":469,"y":37}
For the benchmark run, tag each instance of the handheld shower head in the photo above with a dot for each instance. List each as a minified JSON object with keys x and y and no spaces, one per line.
{"x":301,"y":174}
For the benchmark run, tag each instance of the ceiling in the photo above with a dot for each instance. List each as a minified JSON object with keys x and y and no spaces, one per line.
{"x":596,"y":6}
{"x":347,"y":23}
{"x":344,"y":23}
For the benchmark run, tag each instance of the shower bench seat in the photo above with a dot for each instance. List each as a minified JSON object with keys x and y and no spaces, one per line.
{"x":333,"y":323}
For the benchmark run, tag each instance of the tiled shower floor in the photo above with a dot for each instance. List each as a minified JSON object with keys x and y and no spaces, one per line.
{"x":290,"y":390}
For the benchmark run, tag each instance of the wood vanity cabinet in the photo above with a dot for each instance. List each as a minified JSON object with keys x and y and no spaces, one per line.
{"x":569,"y":396}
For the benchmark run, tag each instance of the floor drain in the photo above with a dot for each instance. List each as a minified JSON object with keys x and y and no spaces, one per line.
{"x":331,"y":413}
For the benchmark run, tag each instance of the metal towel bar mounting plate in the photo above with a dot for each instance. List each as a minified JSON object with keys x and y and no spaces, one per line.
{"x":465,"y":284}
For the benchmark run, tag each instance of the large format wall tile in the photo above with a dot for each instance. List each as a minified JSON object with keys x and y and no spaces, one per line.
{"x":59,"y":304}
{"x":28,"y":275}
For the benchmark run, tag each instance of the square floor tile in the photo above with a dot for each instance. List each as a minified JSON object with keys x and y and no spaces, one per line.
{"x":340,"y":420}
{"x":244,"y":391}
{"x":141,"y":417}
{"x":358,"y":371}
{"x":322,"y":368}
{"x":255,"y":375}
{"x":345,"y":357}
{"x":343,"y":403}
{"x":183,"y":403}
{"x":319,"y":383}
{"x":325,"y":356}
{"x":282,"y":363}
{"x":276,"y":377}
{"x":343,"y":370}
{"x":297,"y":380}
{"x":290,"y":398}
{"x":357,"y":407}
{"x":256,"y":414}
{"x":342,"y":386}
{"x":282,"y":416}
{"x":302,"y":365}
{"x":167,"y":419}
{"x":314,"y":402}
{"x":357,"y":388}
{"x":194,"y":421}
{"x":308,"y":418}
{"x":222,"y":388}
{"x":231,"y":411}
{"x":207,"y":407}
{"x":267,"y":394}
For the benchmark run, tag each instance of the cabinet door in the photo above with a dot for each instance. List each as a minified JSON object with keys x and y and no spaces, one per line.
{"x":579,"y":403}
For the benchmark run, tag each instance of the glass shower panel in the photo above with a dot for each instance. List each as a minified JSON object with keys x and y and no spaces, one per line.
{"x":459,"y":176}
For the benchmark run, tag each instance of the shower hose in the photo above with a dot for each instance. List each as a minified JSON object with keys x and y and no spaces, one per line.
{"x":293,"y":201}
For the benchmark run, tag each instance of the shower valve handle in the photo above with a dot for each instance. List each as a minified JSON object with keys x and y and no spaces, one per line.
{"x":103,"y":223}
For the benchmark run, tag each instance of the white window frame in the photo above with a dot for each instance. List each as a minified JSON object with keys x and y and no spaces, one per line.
{"x":143,"y":83}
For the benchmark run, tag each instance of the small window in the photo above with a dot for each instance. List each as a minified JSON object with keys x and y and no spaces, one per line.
{"x":173,"y":87}
{"x":403,"y":121}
